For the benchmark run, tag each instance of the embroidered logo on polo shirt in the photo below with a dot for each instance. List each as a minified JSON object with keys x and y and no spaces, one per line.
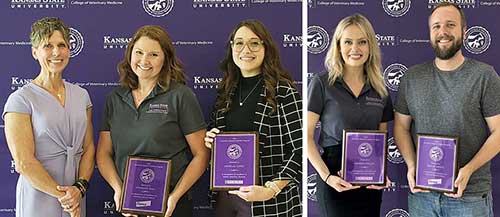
{"x":374,"y":101}
{"x":158,"y":108}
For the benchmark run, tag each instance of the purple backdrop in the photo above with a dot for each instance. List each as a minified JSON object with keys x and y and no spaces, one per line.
{"x":101,"y":29}
{"x":402,"y":32}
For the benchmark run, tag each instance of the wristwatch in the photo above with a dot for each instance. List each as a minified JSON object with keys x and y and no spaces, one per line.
{"x":272,"y":185}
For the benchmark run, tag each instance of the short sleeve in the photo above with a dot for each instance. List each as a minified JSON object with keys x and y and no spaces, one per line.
{"x":88,"y":102}
{"x":490,"y":99}
{"x":190,"y":114}
{"x":106,"y":116}
{"x":316,"y":95}
{"x":401,"y":103}
{"x":17,"y":103}
{"x":388,"y":114}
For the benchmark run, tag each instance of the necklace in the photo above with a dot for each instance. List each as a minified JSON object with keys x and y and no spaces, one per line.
{"x":59,"y":93}
{"x":245,"y":99}
{"x":138,"y":98}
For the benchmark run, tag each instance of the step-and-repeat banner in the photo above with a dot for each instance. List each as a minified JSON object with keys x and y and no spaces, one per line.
{"x":100,"y":31}
{"x":403,"y":35}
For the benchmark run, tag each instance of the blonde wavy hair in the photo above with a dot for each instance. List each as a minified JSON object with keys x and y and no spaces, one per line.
{"x":334,"y":63}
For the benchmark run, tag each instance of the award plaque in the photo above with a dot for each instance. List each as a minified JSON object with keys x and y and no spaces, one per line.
{"x":364,"y":157}
{"x":235,"y":158}
{"x":145,"y":186}
{"x":436,"y":167}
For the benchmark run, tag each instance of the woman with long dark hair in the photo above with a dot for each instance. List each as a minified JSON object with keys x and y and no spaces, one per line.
{"x":257,"y":94}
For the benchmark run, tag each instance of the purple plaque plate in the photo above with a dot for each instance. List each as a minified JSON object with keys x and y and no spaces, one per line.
{"x":145,"y":186}
{"x":436,"y":162}
{"x":235,"y":160}
{"x":363,"y":157}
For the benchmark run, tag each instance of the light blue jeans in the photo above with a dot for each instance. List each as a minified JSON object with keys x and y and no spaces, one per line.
{"x":435,"y":204}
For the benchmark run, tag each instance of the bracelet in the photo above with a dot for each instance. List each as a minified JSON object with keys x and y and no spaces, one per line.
{"x":82,"y":185}
{"x":326,"y":180}
{"x":273,"y":186}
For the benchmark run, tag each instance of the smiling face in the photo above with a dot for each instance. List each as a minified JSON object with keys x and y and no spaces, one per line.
{"x":248,"y":60}
{"x":446,"y":32}
{"x":147,"y":59}
{"x":354,"y":47}
{"x":52,"y":54}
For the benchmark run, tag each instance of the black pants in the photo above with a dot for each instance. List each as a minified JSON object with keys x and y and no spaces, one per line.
{"x":230,"y":205}
{"x":360,"y":202}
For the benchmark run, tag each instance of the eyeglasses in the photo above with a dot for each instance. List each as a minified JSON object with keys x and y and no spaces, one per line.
{"x":254,"y":44}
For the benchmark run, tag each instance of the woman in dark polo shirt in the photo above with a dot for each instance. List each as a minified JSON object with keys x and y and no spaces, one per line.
{"x":257,"y":94}
{"x":351,"y":95}
{"x":154,"y":114}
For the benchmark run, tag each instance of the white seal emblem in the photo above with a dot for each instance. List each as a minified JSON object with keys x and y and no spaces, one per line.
{"x":75,"y":42}
{"x":436,"y":153}
{"x":365,"y":149}
{"x":317,"y":39}
{"x":477,"y":40}
{"x":158,"y":8}
{"x":234,"y":151}
{"x":393,"y":74}
{"x":147,"y":175}
{"x":394,"y":156}
{"x":396,"y":8}
{"x":311,"y":187}
{"x":397,"y":213}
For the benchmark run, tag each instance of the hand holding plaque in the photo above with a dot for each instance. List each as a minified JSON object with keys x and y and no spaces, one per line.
{"x":364,"y":157}
{"x":145,"y":186}
{"x":235,"y":160}
{"x":436,"y":167}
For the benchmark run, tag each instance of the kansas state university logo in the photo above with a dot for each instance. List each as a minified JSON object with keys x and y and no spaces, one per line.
{"x":311,"y":187}
{"x":157,"y":8}
{"x":365,"y":149}
{"x":477,"y":40}
{"x":147,"y":175}
{"x":234,"y":151}
{"x":393,"y":74}
{"x":394,"y":156}
{"x":436,"y":154}
{"x":397,"y":213}
{"x":396,"y":8}
{"x":317,"y":39}
{"x":75,"y":42}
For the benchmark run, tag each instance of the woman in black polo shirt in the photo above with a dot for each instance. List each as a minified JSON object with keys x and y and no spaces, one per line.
{"x":257,"y":94}
{"x":351,"y":95}
{"x":153,"y":114}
